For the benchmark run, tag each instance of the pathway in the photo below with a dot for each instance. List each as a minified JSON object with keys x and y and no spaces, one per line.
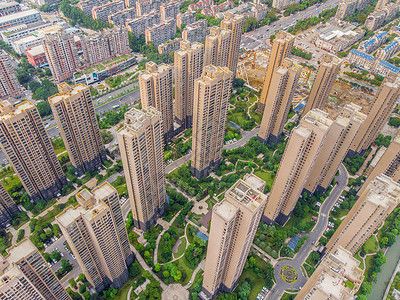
{"x":270,"y":259}
{"x":128,"y":297}
{"x":199,"y":267}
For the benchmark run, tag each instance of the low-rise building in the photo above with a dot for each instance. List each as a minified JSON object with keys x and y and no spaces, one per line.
{"x":379,"y":17}
{"x":201,"y":5}
{"x":22,"y":17}
{"x":281,"y":4}
{"x":25,"y":43}
{"x":196,"y":32}
{"x":359,"y":58}
{"x":8,"y":8}
{"x":389,"y":50}
{"x":103,"y":11}
{"x":18,"y":31}
{"x":213,"y":10}
{"x":161,"y":33}
{"x":36,"y":56}
{"x":374,"y":43}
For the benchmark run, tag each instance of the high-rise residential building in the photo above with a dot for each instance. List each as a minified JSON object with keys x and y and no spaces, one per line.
{"x":284,"y":83}
{"x":281,"y":4}
{"x":74,"y":113}
{"x":102,"y":12}
{"x":381,"y":4}
{"x":210,"y":109}
{"x":372,"y":208}
{"x":156,"y":90}
{"x":8,"y":207}
{"x":234,"y":23}
{"x":142,"y":153}
{"x":196,"y":32}
{"x":61,"y":54}
{"x":338,"y":276}
{"x":216,"y":50}
{"x":187,"y":18}
{"x":161,"y":33}
{"x":281,"y":48}
{"x":94,"y":230}
{"x":27,"y":146}
{"x":305,"y":143}
{"x":337,"y":143}
{"x":388,"y":164}
{"x":323,"y":83}
{"x":139,"y":25}
{"x":26,"y":275}
{"x":188,"y":63}
{"x":234,"y":224}
{"x":169,"y":10}
{"x":378,"y":114}
{"x":9,"y":84}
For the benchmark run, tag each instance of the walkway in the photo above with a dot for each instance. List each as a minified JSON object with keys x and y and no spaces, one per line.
{"x":270,"y":259}
{"x":199,"y":267}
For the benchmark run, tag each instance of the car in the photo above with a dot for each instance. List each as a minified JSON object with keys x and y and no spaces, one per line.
{"x":62,"y":255}
{"x":45,"y":246}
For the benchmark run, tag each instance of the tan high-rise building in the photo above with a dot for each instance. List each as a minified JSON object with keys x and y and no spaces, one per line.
{"x":337,"y":277}
{"x":234,"y":224}
{"x":305,"y":143}
{"x":388,"y":164}
{"x":94,"y":230}
{"x":156,"y":90}
{"x":74,"y":112}
{"x":216,"y":50}
{"x":61,"y":54}
{"x":234,"y":23}
{"x":188,"y":63}
{"x":281,"y":48}
{"x":211,"y":101}
{"x":142,"y":153}
{"x":323,"y":83}
{"x":337,"y":143}
{"x":378,"y":114}
{"x":26,"y":275}
{"x":283,"y":85}
{"x":9,"y":84}
{"x":372,"y":208}
{"x":28,"y":148}
{"x":8,"y":207}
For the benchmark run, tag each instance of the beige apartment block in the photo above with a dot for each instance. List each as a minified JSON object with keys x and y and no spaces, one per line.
{"x":281,"y":49}
{"x":74,"y":113}
{"x":97,"y":238}
{"x":234,"y":223}
{"x":8,"y":207}
{"x":188,"y":64}
{"x":234,"y":23}
{"x":338,"y":276}
{"x":9,"y":84}
{"x":156,"y":90}
{"x":283,"y":86}
{"x":142,"y":153}
{"x":323,"y":83}
{"x":28,"y":148}
{"x":337,"y":143}
{"x":305,"y":143}
{"x":216,"y":50}
{"x":372,"y":208}
{"x":26,"y":275}
{"x":378,"y":114}
{"x":388,"y":165}
{"x":211,"y":100}
{"x":61,"y":54}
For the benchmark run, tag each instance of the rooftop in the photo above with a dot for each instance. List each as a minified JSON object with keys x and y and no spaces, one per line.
{"x":225,"y":210}
{"x":66,"y":91}
{"x":69,"y":215}
{"x":36,"y":50}
{"x":20,"y":250}
{"x":9,"y":112}
{"x":18,"y":15}
{"x":103,"y":191}
{"x":247,"y":195}
{"x":318,"y":118}
{"x":383,"y":190}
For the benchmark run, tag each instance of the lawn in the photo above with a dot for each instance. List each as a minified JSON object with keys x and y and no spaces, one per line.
{"x":184,"y":268}
{"x":371,"y":245}
{"x":181,"y":248}
{"x":257,"y":116}
{"x":287,"y":296}
{"x":368,"y":263}
{"x":256,"y":281}
{"x":123,"y":291}
{"x":266,"y":176}
{"x":357,"y":256}
{"x":11,"y":182}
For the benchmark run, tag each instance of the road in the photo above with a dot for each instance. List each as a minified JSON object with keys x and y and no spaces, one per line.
{"x":257,"y":38}
{"x":313,"y":237}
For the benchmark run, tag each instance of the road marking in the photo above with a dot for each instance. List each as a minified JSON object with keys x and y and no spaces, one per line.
{"x":323,"y":215}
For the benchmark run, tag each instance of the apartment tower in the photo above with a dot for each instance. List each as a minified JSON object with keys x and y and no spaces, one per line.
{"x":216,"y":50}
{"x":234,"y":223}
{"x":323,"y":83}
{"x":156,"y":90}
{"x":281,"y":49}
{"x":279,"y":100}
{"x":93,"y":231}
{"x":188,"y":63}
{"x":372,"y":208}
{"x":211,"y":96}
{"x":27,"y":146}
{"x":337,"y":143}
{"x":234,"y":23}
{"x":305,"y":143}
{"x":9,"y":84}
{"x":26,"y":275}
{"x":74,"y":113}
{"x":378,"y":114}
{"x":61,"y":54}
{"x":8,"y":208}
{"x":142,"y":153}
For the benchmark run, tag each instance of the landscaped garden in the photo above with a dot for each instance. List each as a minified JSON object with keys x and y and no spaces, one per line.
{"x":289,"y":274}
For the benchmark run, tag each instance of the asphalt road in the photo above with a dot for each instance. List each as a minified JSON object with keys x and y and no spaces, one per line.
{"x":313,"y":237}
{"x":257,"y":38}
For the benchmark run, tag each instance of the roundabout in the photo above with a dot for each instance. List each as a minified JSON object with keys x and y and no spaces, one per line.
{"x":289,"y":274}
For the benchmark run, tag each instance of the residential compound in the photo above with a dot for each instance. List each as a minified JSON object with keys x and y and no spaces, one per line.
{"x":380,"y":15}
{"x":233,"y":227}
{"x":95,"y":232}
{"x":26,"y":275}
{"x":27,"y":146}
{"x":338,"y":276}
{"x":217,"y":43}
{"x":196,"y":32}
{"x":103,"y":11}
{"x":374,"y":43}
{"x":160,"y":33}
{"x":377,"y":201}
{"x":119,"y":18}
{"x":139,"y":25}
{"x":74,"y":113}
{"x":210,"y":108}
{"x":9,"y":84}
{"x":349,"y":7}
{"x":142,"y":153}
{"x":169,"y":10}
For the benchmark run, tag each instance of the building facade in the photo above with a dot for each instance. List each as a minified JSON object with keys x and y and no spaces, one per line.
{"x":161,"y":33}
{"x":103,"y":11}
{"x":216,"y":50}
{"x":9,"y":84}
{"x":196,"y":32}
{"x":8,"y":208}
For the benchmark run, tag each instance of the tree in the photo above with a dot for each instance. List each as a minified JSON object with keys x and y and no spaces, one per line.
{"x":82,"y":278}
{"x":44,"y":108}
{"x":250,"y":24}
{"x":166,"y":274}
{"x":244,"y":290}
{"x":72,"y":282}
{"x":157,"y":267}
{"x":82,"y":288}
{"x":55,"y":255}
{"x":47,"y":257}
